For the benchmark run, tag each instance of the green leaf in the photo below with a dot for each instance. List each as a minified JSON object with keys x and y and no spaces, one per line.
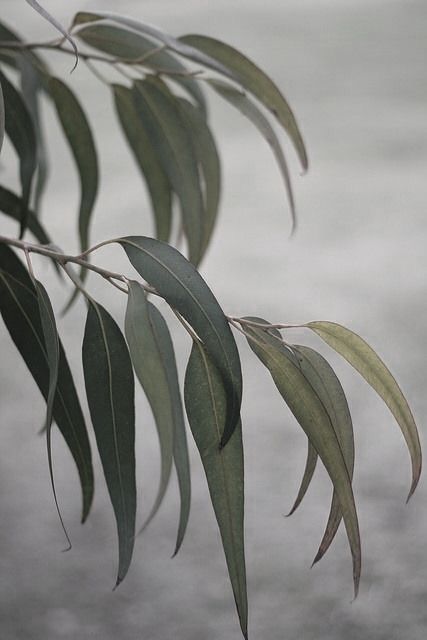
{"x":310,"y":467}
{"x":1,"y":117}
{"x":47,"y":16}
{"x":163,"y":121}
{"x":205,"y":150}
{"x":20,"y":310}
{"x":254,"y":80}
{"x":130,"y":46}
{"x":364,"y":359}
{"x":79,"y":136}
{"x":309,"y":410}
{"x":145,"y":154}
{"x":51,"y":339}
{"x":147,"y":361}
{"x":12,"y":56}
{"x":110,"y":393}
{"x":176,"y":280}
{"x":206,"y":406}
{"x":249,"y":109}
{"x":327,"y":386}
{"x":20,"y":130}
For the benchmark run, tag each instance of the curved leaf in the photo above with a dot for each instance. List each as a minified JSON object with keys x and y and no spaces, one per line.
{"x":163,"y":121}
{"x":249,"y":109}
{"x":206,"y":406}
{"x":20,"y":311}
{"x":310,"y":467}
{"x":254,"y":80}
{"x":176,"y":280}
{"x":110,"y":393}
{"x":1,"y":117}
{"x":364,"y":359}
{"x":309,"y":410}
{"x":20,"y":130}
{"x":145,"y":154}
{"x":79,"y":136}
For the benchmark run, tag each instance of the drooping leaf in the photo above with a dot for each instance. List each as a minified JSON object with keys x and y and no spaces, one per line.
{"x":249,"y":109}
{"x":11,"y":56}
{"x":310,"y":467}
{"x":163,"y":122}
{"x":110,"y":393}
{"x":47,"y":16}
{"x":146,"y":156}
{"x":1,"y":117}
{"x":134,"y":47}
{"x":310,"y":412}
{"x":51,"y":339}
{"x":79,"y":136}
{"x":178,"y":282}
{"x":11,"y":205}
{"x":364,"y":359}
{"x":206,"y":153}
{"x":20,"y":311}
{"x":206,"y":406}
{"x":20,"y":130}
{"x":324,"y":381}
{"x":254,"y":80}
{"x":142,"y":338}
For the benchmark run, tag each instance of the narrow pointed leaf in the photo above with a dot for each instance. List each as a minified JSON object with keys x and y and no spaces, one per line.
{"x":164,"y":125}
{"x":310,"y":467}
{"x":206,"y":407}
{"x":20,"y":130}
{"x":176,"y":280}
{"x":133,"y":47}
{"x":145,"y":154}
{"x":11,"y":57}
{"x":1,"y":118}
{"x":20,"y":311}
{"x":254,"y":80}
{"x":206,"y":153}
{"x":364,"y":359}
{"x":79,"y":136}
{"x":309,"y":410}
{"x":110,"y":393}
{"x":327,"y":386}
{"x":249,"y":109}
{"x":47,"y":16}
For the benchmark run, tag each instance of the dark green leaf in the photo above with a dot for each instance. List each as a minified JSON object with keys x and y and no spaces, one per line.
{"x":176,"y":280}
{"x":11,"y":56}
{"x":364,"y":359}
{"x":19,"y":128}
{"x":327,"y":386}
{"x":249,"y":109}
{"x":206,"y":406}
{"x":110,"y":393}
{"x":310,"y":467}
{"x":309,"y":410}
{"x":20,"y":311}
{"x":1,"y":117}
{"x":254,"y":80}
{"x":78,"y":133}
{"x":145,"y":154}
{"x":163,"y":122}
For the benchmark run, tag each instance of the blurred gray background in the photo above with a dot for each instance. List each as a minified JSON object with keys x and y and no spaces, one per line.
{"x":355,"y":75}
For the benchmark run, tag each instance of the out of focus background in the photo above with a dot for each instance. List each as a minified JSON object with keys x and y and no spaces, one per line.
{"x":355,"y":75}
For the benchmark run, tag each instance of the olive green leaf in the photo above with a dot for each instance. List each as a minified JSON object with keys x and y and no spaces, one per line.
{"x":20,"y":310}
{"x":146,"y":157}
{"x":79,"y":136}
{"x":364,"y":359}
{"x":309,"y":410}
{"x":133,"y":47}
{"x":309,"y":469}
{"x":254,"y":80}
{"x":178,"y":282}
{"x":248,"y":108}
{"x":20,"y":130}
{"x":324,"y":381}
{"x":47,"y":16}
{"x":1,"y":117}
{"x":110,"y":394}
{"x":206,"y":153}
{"x":164,"y":125}
{"x":206,"y":406}
{"x":12,"y":57}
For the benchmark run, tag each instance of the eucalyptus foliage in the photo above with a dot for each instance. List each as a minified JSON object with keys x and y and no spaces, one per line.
{"x":159,"y":102}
